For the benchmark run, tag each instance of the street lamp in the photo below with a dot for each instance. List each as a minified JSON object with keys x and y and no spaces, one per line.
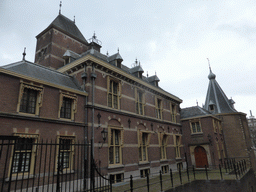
{"x":104,"y":135}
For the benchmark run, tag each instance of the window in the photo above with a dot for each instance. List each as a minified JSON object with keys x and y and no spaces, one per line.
{"x":177,"y":145}
{"x":139,"y":98}
{"x":163,"y":140}
{"x":196,"y":127}
{"x":144,"y":172}
{"x":113,"y":93}
{"x":67,"y":106}
{"x":143,"y":143}
{"x":115,"y":144}
{"x":173,"y":112}
{"x":165,"y":169}
{"x":65,"y":111}
{"x":117,"y":178}
{"x":159,"y":108}
{"x":24,"y":154}
{"x":211,"y":107}
{"x":30,"y":98}
{"x":66,"y":152}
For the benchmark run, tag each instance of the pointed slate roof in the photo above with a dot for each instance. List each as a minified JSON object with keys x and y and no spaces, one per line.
{"x":67,"y":26}
{"x":216,"y":97}
{"x":193,"y":112}
{"x":43,"y":73}
{"x":116,"y":56}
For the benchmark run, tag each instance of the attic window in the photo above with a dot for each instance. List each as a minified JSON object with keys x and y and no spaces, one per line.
{"x":211,"y":107}
{"x":156,"y":83}
{"x":140,"y":75}
{"x":118,"y":64}
{"x":67,"y":60}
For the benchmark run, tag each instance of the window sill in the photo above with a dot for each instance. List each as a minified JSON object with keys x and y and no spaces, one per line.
{"x":28,"y":114}
{"x":198,"y":133}
{"x":178,"y":158}
{"x":68,"y":171}
{"x":20,"y":177}
{"x":115,"y":166}
{"x":163,"y":160}
{"x":64,"y":119}
{"x":143,"y":162}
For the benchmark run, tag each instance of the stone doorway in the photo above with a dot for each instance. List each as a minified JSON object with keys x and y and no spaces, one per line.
{"x":200,"y":157}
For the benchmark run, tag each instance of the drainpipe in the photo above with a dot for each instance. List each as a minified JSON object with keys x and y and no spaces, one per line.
{"x":93,"y":77}
{"x":85,"y":179}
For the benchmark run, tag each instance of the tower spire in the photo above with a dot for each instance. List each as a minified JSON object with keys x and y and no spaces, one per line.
{"x":60,"y":7}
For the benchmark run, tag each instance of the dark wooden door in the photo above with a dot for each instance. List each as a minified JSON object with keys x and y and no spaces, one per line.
{"x":200,"y":157}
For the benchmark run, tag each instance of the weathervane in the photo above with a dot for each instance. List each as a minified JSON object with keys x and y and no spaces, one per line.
{"x":209,"y":64}
{"x":24,"y":54}
{"x":60,"y":7}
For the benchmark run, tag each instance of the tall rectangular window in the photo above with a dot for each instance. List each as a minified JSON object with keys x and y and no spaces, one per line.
{"x":67,"y":105}
{"x":139,"y":102}
{"x":65,"y":111}
{"x":143,"y":144}
{"x":177,"y":144}
{"x":163,"y":145}
{"x":113,"y":94}
{"x":115,"y":142}
{"x":159,"y":108}
{"x":66,"y":152}
{"x":173,"y":112}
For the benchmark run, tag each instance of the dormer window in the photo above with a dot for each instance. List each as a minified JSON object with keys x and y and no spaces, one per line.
{"x":140,"y":75}
{"x":211,"y":107}
{"x":118,"y":64}
{"x":66,"y":60}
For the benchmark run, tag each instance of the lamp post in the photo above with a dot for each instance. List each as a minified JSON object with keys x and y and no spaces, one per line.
{"x":104,"y":134}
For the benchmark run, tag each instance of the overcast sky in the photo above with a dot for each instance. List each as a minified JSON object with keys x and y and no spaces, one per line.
{"x":172,"y":38}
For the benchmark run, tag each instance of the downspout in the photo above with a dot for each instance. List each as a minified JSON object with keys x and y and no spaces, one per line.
{"x":86,"y":165}
{"x":93,"y":77}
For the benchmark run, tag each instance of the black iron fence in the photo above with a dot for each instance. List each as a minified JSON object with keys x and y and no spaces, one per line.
{"x":27,"y":164}
{"x":230,"y":169}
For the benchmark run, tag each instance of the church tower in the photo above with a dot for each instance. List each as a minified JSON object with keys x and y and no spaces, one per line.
{"x":59,"y":43}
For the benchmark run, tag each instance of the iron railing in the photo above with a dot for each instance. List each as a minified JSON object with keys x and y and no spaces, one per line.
{"x":41,"y":165}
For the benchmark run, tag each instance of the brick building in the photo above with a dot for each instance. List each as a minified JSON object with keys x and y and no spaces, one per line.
{"x":202,"y":137}
{"x":252,"y":126}
{"x":74,"y":92}
{"x":216,"y":131}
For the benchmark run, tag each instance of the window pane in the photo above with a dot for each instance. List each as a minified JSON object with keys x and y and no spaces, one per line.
{"x":28,"y":101}
{"x":111,"y":159}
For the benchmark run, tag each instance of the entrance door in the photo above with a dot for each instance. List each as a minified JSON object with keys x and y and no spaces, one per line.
{"x":200,"y":157}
